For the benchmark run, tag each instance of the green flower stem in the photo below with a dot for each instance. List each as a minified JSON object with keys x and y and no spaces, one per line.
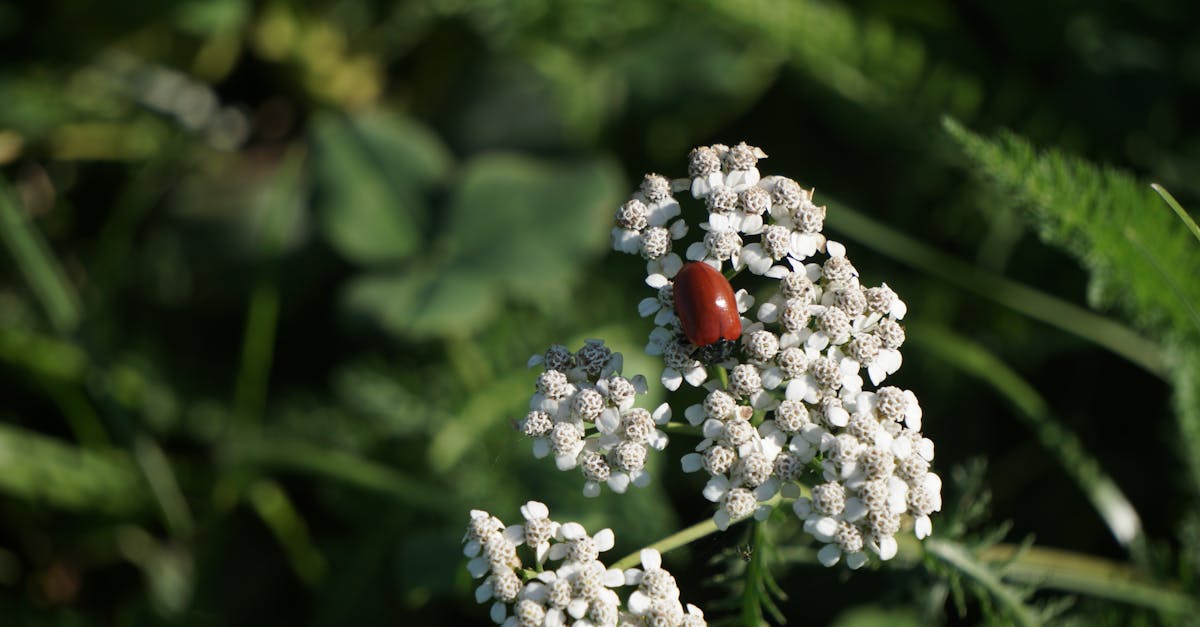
{"x":723,"y":375}
{"x":683,"y":537}
{"x":681,"y":428}
{"x":673,"y":541}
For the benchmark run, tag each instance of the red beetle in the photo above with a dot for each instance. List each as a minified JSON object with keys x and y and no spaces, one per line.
{"x":705,"y":305}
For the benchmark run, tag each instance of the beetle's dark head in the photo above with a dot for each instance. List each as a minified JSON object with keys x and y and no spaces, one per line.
{"x":717,"y":352}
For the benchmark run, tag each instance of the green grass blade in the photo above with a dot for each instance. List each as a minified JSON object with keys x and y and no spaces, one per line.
{"x":1179,"y":211}
{"x":262,"y":315}
{"x":272,"y":504}
{"x":156,"y":468}
{"x":1100,"y":489}
{"x":42,"y":271}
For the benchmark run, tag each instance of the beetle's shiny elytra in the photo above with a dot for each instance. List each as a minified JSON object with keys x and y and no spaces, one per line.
{"x":706,"y":306}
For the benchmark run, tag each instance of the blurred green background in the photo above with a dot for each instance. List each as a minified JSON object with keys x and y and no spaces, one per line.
{"x":272,"y":272}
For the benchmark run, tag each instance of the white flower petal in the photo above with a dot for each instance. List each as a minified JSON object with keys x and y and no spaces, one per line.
{"x":639,"y":602}
{"x":671,"y":379}
{"x":657,"y":280}
{"x":824,"y":528}
{"x":922,"y":527}
{"x":671,"y":265}
{"x":855,"y":509}
{"x":768,"y":312}
{"x":499,"y":611}
{"x":888,"y":547}
{"x":648,"y":305}
{"x":829,"y":555}
{"x":478,"y":567}
{"x":715,"y":488}
{"x":696,"y":375}
{"x":678,"y":228}
{"x":856,"y":560}
{"x":604,"y":539}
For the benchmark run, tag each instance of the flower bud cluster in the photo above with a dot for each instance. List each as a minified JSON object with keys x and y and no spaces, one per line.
{"x":580,"y":591}
{"x":584,"y":413}
{"x":795,"y":409}
{"x":740,"y":458}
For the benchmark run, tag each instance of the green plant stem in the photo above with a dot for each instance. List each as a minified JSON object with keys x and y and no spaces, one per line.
{"x":156,"y":469}
{"x":682,"y":428}
{"x":42,"y":271}
{"x":262,"y":315}
{"x":684,"y":537}
{"x":1053,"y":311}
{"x":1178,"y":209}
{"x":277,"y":511}
{"x":680,"y":538}
{"x":958,"y":557}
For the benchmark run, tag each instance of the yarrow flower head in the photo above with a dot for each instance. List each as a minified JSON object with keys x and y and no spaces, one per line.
{"x":580,"y":590}
{"x":583,"y":412}
{"x":794,"y":405}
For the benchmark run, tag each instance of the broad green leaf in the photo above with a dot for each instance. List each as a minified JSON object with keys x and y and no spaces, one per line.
{"x":529,"y":225}
{"x":370,"y":175}
{"x":517,"y":229}
{"x":44,"y":470}
{"x":423,"y":304}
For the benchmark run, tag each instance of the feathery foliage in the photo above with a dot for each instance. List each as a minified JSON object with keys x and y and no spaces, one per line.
{"x":1141,"y":258}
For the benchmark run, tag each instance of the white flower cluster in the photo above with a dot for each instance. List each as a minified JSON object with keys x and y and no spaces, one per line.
{"x":795,"y":409}
{"x":583,"y":413}
{"x":580,"y":591}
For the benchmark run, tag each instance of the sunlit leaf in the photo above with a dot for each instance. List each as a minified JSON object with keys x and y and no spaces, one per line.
{"x":370,"y":175}
{"x":517,"y":228}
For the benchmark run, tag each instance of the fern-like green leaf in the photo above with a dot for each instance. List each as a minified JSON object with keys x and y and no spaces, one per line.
{"x":1141,"y":258}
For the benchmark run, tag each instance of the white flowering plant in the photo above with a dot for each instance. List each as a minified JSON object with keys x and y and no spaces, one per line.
{"x":794,"y":413}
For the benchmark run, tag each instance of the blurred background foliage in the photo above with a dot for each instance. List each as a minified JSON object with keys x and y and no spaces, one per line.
{"x":272,"y":272}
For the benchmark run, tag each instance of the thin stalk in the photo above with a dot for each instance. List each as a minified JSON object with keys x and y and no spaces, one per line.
{"x":157,"y":471}
{"x":262,"y":315}
{"x":42,"y":271}
{"x":1100,"y":489}
{"x":964,"y":562}
{"x":683,"y":537}
{"x":1037,"y":305}
{"x":680,"y":538}
{"x":277,"y":511}
{"x":1178,"y":209}
{"x":681,"y":428}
